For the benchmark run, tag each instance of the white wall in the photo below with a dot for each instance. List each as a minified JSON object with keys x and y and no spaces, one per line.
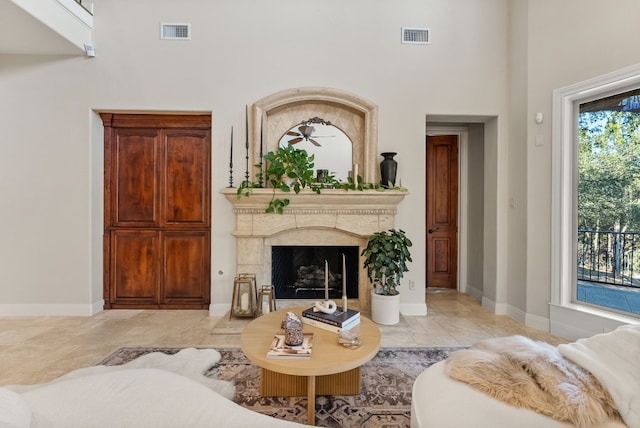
{"x":568,"y":42}
{"x":240,"y":51}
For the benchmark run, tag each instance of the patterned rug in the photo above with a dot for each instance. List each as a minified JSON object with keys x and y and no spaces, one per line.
{"x":384,"y":402}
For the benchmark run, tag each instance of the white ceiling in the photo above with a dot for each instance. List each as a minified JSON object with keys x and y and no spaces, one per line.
{"x":21,"y":33}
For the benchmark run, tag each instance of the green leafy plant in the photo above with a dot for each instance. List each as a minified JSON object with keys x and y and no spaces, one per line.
{"x":290,"y":169}
{"x":385,"y":258}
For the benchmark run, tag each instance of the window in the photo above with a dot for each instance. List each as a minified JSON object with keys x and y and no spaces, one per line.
{"x":571,"y":314}
{"x":608,"y":202}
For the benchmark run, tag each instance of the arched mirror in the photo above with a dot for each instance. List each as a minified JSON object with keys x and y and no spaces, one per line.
{"x":331,"y":147}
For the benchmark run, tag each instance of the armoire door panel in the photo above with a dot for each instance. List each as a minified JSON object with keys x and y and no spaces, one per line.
{"x":186,"y":267}
{"x":157,"y":214}
{"x":136,"y":178}
{"x":186,"y":178}
{"x":134,"y":266}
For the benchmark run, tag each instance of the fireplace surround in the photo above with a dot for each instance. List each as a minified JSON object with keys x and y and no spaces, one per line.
{"x":332,"y":218}
{"x":335,"y":217}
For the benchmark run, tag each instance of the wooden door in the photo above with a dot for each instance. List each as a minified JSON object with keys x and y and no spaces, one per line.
{"x":442,"y":211}
{"x":157,"y":211}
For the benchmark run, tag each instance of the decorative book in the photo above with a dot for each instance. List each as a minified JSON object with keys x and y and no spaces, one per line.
{"x":348,"y":326}
{"x":280,"y":350}
{"x":339,"y":318}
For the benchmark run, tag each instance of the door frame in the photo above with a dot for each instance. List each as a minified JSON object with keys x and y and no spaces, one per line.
{"x":463,"y":209}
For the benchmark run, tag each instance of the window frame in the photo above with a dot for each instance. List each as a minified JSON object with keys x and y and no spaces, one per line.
{"x":568,"y":317}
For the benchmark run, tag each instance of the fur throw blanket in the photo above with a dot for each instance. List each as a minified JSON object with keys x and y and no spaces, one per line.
{"x":534,"y":375}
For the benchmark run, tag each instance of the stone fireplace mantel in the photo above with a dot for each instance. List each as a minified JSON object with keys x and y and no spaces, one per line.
{"x":334,"y":217}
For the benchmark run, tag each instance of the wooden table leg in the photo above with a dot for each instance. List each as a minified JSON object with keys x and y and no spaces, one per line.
{"x":311,"y":400}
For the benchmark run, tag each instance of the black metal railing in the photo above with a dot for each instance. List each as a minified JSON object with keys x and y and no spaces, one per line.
{"x":609,"y":257}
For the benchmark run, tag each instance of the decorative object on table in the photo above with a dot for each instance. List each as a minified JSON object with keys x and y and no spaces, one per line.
{"x":231,"y":160}
{"x":336,"y":322}
{"x":327,"y":306}
{"x":385,"y":259}
{"x":279,"y":349}
{"x":266,"y":300}
{"x":388,"y":169}
{"x":292,"y":330}
{"x":243,"y":301}
{"x":349,"y":339}
{"x":289,"y":317}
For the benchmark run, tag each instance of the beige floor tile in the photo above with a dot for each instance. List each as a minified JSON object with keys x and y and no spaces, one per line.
{"x":38,"y":349}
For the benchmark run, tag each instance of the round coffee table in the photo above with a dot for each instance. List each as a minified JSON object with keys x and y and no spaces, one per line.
{"x":331,"y":370}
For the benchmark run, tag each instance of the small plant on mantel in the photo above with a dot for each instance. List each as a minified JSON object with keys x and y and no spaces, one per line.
{"x":290,"y":169}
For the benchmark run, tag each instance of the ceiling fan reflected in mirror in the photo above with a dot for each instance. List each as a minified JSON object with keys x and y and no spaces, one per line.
{"x":305,"y":132}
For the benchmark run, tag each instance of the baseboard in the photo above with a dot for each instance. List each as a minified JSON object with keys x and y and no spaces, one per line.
{"x":41,"y":310}
{"x":575,"y":322}
{"x":219,"y":309}
{"x":97,"y":307}
{"x":474,"y":293}
{"x":536,"y":321}
{"x":496,"y":308}
{"x":413,"y":309}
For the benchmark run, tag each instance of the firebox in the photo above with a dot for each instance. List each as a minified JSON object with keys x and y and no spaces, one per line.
{"x":298,"y":272}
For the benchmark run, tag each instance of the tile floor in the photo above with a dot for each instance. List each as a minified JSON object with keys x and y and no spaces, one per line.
{"x":38,"y":349}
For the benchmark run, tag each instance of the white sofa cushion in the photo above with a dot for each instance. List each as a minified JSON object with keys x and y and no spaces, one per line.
{"x":14,"y":410}
{"x":441,"y":402}
{"x":138,"y":398}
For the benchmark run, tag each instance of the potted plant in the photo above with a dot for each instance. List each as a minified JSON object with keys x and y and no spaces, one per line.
{"x":385,"y":258}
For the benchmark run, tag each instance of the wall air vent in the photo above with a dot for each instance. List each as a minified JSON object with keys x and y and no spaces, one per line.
{"x":416,"y":36}
{"x":173,"y":31}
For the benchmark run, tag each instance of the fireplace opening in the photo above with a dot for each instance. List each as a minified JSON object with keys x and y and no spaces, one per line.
{"x":298,"y":272}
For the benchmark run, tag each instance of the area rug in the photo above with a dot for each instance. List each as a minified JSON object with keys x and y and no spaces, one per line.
{"x":384,"y":402}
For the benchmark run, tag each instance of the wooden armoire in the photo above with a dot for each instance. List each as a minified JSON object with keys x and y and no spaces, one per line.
{"x":157,"y":211}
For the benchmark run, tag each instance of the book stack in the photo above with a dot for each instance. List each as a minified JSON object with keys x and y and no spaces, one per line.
{"x":280,"y":350}
{"x":336,"y":322}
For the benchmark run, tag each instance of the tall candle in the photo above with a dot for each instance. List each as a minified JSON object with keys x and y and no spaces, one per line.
{"x":246,"y":125}
{"x":355,"y":173}
{"x":244,"y":302}
{"x":344,"y":283}
{"x":231,"y":151}
{"x":326,"y":280}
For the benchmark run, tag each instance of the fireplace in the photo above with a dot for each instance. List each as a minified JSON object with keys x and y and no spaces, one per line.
{"x":336,"y":217}
{"x":298,"y":272}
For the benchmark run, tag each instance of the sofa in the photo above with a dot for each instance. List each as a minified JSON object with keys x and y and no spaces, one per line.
{"x":132,"y":395}
{"x":440,"y":399}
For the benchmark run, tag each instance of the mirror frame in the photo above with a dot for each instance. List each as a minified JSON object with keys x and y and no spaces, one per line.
{"x":272,"y":116}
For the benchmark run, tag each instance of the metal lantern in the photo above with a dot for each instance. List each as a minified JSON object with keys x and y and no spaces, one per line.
{"x":266,"y":300}
{"x":243,"y":303}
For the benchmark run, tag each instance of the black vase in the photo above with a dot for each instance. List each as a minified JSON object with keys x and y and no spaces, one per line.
{"x":388,"y":169}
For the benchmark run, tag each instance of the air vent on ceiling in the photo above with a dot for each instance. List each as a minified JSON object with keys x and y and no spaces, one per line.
{"x":416,"y":36}
{"x":173,"y":31}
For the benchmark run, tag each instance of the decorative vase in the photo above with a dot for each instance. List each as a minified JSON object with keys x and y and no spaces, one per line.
{"x":388,"y":169}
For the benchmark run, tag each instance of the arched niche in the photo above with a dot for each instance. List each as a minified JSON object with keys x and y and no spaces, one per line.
{"x":272,"y":116}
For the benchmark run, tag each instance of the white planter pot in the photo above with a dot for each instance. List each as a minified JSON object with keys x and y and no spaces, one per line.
{"x":385,"y":310}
